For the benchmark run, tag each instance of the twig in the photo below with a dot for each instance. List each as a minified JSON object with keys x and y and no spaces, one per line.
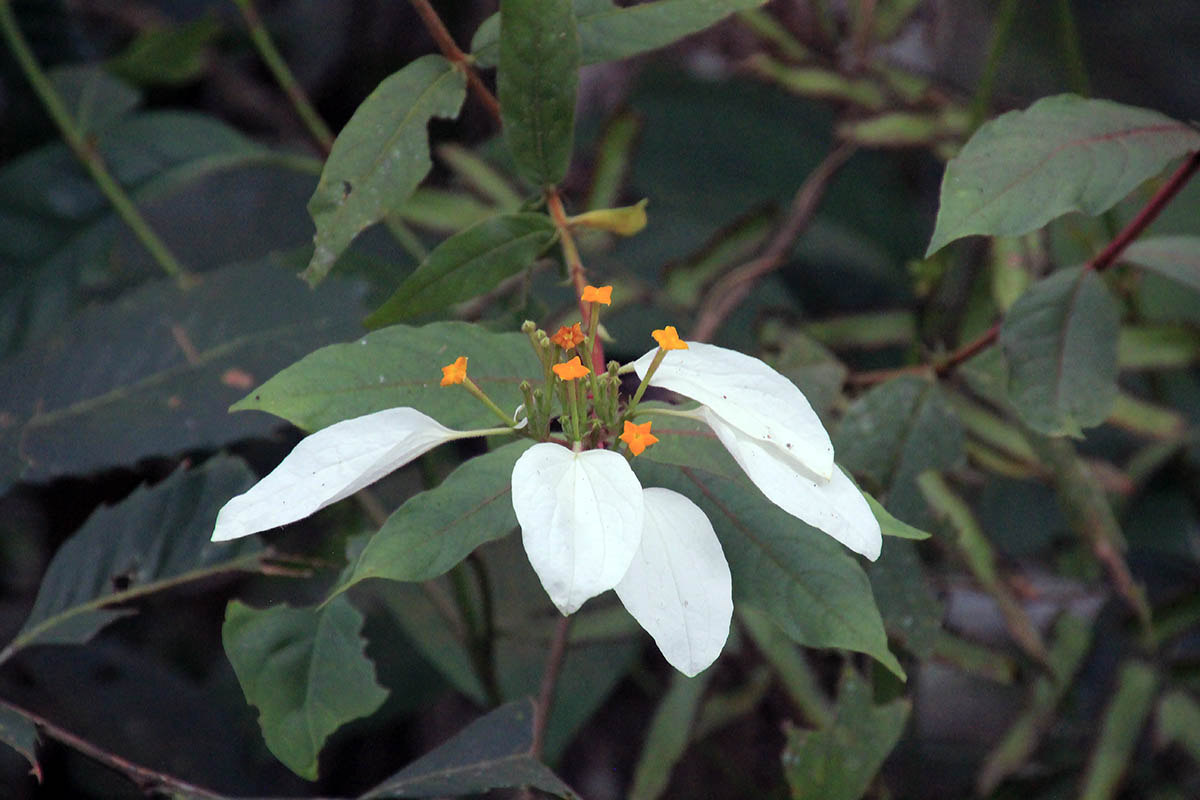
{"x":455,"y":55}
{"x":730,"y":290}
{"x":574,"y":267}
{"x":554,"y":662}
{"x":84,"y":150}
{"x":147,"y":780}
{"x":283,"y":76}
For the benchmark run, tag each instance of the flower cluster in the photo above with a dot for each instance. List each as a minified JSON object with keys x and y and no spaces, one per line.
{"x":587,"y":524}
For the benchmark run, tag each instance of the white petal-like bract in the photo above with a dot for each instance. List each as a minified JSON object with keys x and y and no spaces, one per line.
{"x":835,"y":506}
{"x":581,"y":519}
{"x":750,"y":396}
{"x":678,"y":585}
{"x":329,"y":465}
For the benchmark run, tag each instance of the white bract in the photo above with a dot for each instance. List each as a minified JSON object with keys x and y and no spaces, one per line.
{"x":770,"y":429}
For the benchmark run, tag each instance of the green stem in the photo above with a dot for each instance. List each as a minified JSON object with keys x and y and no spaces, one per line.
{"x":470,"y":386}
{"x":283,"y":76}
{"x":641,"y":390}
{"x":83,"y":149}
{"x":1072,"y":52}
{"x":1001,"y":32}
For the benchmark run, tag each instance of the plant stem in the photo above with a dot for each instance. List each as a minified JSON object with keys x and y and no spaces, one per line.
{"x":455,"y":55}
{"x":554,"y":662}
{"x":1072,"y":51}
{"x":283,"y":76}
{"x":84,"y":149}
{"x":574,"y":266}
{"x":1001,"y":31}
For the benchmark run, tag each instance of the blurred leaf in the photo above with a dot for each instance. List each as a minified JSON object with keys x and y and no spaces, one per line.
{"x":536,"y":84}
{"x":167,"y":56}
{"x":814,"y":369}
{"x":686,"y":280}
{"x":818,"y":83}
{"x":839,"y":762}
{"x":400,"y":366}
{"x":892,"y":434}
{"x":893,"y":129}
{"x":156,"y":538}
{"x":788,"y":661}
{"x":869,"y":330}
{"x":493,"y":752}
{"x":1174,"y":257}
{"x":1124,"y":718}
{"x":1072,"y":639}
{"x":1063,"y":153}
{"x":911,"y":611}
{"x":94,"y":99}
{"x":440,"y":527}
{"x":613,"y":154}
{"x":18,"y":732}
{"x":1060,"y":339}
{"x":804,"y":580}
{"x":1179,"y":721}
{"x":478,"y":174}
{"x":380,"y":156}
{"x":163,"y":362}
{"x":305,"y":670}
{"x":468,"y":264}
{"x":1145,"y":418}
{"x":441,"y":210}
{"x":1157,"y":346}
{"x":667,"y":736}
{"x":609,"y":33}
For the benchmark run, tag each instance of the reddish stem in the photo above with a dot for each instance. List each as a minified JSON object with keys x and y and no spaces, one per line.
{"x":455,"y":55}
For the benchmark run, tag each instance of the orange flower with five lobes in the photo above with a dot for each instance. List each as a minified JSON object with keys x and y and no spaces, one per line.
{"x":571,"y":370}
{"x":638,"y":437}
{"x":602,"y":295}
{"x":566,"y":338}
{"x":455,"y":373}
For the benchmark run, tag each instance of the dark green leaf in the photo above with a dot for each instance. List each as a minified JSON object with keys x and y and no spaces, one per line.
{"x":400,"y":366}
{"x":808,"y":584}
{"x":839,"y":762}
{"x":440,"y":527}
{"x":94,"y":98}
{"x":18,"y":732}
{"x":164,"y":363}
{"x":668,"y":735}
{"x":168,"y":56}
{"x":1137,"y":684}
{"x":892,"y":434}
{"x":156,"y":538}
{"x":1179,"y":721}
{"x":536,"y":84}
{"x":305,"y":670}
{"x":609,"y":33}
{"x":467,"y":265}
{"x":380,"y":156}
{"x":1060,"y":339}
{"x":1174,"y":257}
{"x":493,"y":752}
{"x":912,"y":614}
{"x":1061,"y":154}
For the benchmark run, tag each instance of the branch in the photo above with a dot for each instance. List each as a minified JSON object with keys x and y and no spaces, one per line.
{"x":729,"y":291}
{"x":455,"y":55}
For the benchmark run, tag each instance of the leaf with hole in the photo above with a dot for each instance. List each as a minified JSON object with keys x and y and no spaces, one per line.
{"x":1062,"y":154}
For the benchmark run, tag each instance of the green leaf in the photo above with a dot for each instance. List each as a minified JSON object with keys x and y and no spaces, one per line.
{"x":305,"y":670}
{"x":163,"y":362}
{"x":667,"y":736}
{"x":536,"y":83}
{"x":1060,"y":339}
{"x":18,"y":732}
{"x":892,"y":434}
{"x":493,"y":752}
{"x":912,"y":613}
{"x":400,"y":366}
{"x":807,"y":582}
{"x":380,"y":156}
{"x":467,"y":265}
{"x":94,"y":98}
{"x":839,"y":762}
{"x":1137,"y":684}
{"x":609,"y":33}
{"x":1061,"y":154}
{"x":440,"y":527}
{"x":1179,"y":721}
{"x":1173,"y":257}
{"x":170,"y":56}
{"x":154,"y":539}
{"x":890,"y":526}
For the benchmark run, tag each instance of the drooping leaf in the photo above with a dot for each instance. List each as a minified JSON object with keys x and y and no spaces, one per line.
{"x":1174,"y":257}
{"x":1137,"y":684}
{"x":802,"y":578}
{"x":156,"y":538}
{"x":1060,"y":340}
{"x":400,"y":366}
{"x":467,"y":265}
{"x":436,"y":529}
{"x":380,"y":156}
{"x":892,"y":434}
{"x":164,"y":363}
{"x":18,"y":732}
{"x":839,"y":762}
{"x":536,"y":85}
{"x":493,"y":752}
{"x":1061,"y":154}
{"x":305,"y":670}
{"x":609,"y":33}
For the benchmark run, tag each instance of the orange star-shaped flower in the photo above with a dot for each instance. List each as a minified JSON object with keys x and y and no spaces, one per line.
{"x":566,"y":338}
{"x":602,"y":295}
{"x":668,"y":339}
{"x":638,"y":437}
{"x":571,"y":370}
{"x":456,"y":372}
